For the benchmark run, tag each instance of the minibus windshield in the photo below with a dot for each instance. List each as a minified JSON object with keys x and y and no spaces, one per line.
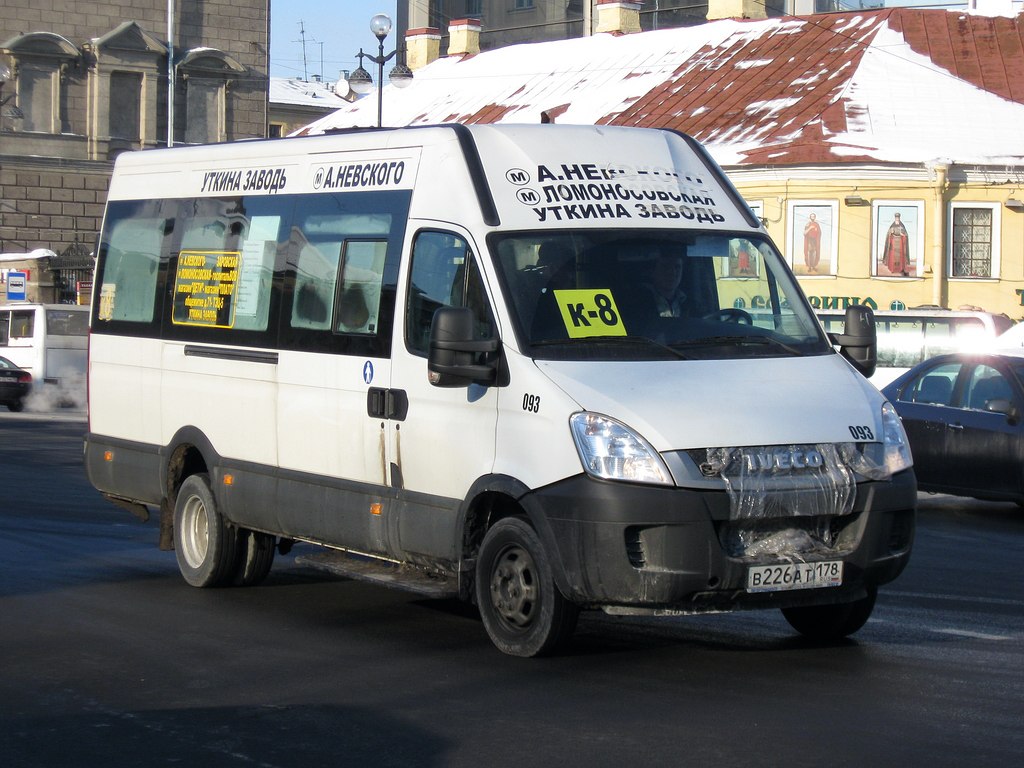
{"x":650,"y":295}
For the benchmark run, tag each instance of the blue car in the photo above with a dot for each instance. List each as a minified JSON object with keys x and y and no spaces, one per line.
{"x":964,"y":416}
{"x":15,"y":384}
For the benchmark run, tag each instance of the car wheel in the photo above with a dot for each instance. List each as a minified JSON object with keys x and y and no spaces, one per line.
{"x":204,"y":545}
{"x":16,"y":406}
{"x":522,"y":610}
{"x":828,"y":623}
{"x":254,"y":557}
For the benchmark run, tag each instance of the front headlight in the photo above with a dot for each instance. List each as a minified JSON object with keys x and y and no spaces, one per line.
{"x":897,"y":455}
{"x":610,"y":450}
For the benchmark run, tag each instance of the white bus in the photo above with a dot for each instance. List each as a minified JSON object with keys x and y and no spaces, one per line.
{"x":47,"y":340}
{"x":438,"y":353}
{"x":908,"y":337}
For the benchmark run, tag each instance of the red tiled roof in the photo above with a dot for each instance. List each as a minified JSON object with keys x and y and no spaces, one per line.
{"x":779,"y":91}
{"x":808,"y":70}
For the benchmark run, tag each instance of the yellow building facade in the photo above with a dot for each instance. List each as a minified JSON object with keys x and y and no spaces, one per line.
{"x":895,"y":238}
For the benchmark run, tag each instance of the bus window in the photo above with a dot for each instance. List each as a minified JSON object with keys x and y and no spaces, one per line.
{"x":22,"y":324}
{"x":900,"y":342}
{"x":66,"y":322}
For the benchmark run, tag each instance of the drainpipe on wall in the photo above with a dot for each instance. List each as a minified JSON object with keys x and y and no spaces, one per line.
{"x":938,"y":260}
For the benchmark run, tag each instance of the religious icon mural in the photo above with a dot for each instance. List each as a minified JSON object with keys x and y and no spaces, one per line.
{"x":812,"y":238}
{"x":744,"y":258}
{"x":897,"y":235}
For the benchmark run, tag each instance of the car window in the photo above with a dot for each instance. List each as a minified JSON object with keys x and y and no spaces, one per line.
{"x":986,"y":384}
{"x":933,"y":386}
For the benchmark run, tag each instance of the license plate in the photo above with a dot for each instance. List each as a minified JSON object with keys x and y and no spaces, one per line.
{"x":776,"y":578}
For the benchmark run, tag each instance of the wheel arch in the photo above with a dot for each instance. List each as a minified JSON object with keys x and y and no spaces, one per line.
{"x":188,"y":453}
{"x":493,"y":498}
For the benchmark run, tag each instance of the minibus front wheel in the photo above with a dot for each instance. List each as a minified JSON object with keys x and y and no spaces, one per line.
{"x":522,"y":610}
{"x":829,"y":623}
{"x":204,"y":545}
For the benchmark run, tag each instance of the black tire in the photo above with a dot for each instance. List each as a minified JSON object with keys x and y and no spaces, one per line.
{"x":255,"y":556}
{"x":522,"y":610}
{"x":828,"y":623}
{"x":16,"y":406}
{"x":204,"y":545}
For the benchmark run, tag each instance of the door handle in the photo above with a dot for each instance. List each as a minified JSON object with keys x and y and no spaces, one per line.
{"x":958,"y":427}
{"x":387,"y":403}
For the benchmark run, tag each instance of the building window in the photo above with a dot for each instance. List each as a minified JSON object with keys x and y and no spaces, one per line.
{"x":39,"y":61}
{"x":275,"y":130}
{"x":204,"y":112}
{"x":35,"y":98}
{"x":125,"y":106}
{"x":522,"y":5}
{"x":474,"y":7}
{"x":974,"y":235}
{"x":208,"y":74}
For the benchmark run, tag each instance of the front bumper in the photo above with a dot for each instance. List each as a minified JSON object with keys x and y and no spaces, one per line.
{"x":631,"y":548}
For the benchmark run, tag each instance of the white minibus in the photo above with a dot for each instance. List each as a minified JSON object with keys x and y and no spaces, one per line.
{"x":499,"y":363}
{"x":47,"y":340}
{"x":908,"y":337}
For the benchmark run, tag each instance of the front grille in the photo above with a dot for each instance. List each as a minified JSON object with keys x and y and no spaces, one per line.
{"x":781,"y":536}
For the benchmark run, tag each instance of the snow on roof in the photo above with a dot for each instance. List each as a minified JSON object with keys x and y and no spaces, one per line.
{"x":295,"y":92}
{"x":896,"y":85}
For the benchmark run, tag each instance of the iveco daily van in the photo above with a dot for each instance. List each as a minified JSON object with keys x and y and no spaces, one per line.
{"x":512,"y":364}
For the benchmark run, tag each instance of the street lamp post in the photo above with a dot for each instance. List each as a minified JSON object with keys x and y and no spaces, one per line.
{"x":360,"y":80}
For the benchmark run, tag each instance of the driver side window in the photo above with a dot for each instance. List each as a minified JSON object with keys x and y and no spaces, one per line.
{"x":444,"y":273}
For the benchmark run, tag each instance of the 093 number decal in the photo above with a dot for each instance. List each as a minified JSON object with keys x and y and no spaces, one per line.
{"x":861,"y":433}
{"x":531,"y":403}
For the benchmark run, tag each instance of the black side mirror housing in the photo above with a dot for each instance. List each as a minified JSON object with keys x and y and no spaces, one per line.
{"x":859,"y":341}
{"x":456,"y":357}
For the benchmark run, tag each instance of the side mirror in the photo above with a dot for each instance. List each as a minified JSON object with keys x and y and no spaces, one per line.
{"x":456,"y":358}
{"x":859,"y":341}
{"x":1003,"y":406}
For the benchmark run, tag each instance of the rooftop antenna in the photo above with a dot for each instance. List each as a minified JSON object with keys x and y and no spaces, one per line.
{"x":302,"y":39}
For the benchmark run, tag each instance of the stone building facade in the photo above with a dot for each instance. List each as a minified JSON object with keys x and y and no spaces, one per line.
{"x":83,"y":82}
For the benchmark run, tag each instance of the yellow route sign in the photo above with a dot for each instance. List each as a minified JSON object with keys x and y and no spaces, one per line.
{"x":589,"y":312}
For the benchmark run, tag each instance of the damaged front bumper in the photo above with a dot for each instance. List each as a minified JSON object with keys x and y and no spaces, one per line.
{"x":648,"y":549}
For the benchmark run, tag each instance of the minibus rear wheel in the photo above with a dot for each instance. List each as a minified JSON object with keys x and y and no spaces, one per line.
{"x":255,"y":557}
{"x":522,"y":610}
{"x":828,"y":623}
{"x":204,"y":545}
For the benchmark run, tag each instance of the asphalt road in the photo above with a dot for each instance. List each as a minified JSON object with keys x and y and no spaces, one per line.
{"x":109,"y":659}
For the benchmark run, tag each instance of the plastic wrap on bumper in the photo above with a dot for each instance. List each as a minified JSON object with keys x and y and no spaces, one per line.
{"x":616,"y":544}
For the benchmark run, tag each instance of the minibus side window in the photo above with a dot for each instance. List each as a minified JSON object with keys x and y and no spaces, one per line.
{"x":129,"y":261}
{"x":5,"y":328}
{"x":443,"y":274}
{"x":357,"y":306}
{"x":224,"y":270}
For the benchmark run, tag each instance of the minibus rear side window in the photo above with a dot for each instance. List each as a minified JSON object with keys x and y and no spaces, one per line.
{"x":129,"y":261}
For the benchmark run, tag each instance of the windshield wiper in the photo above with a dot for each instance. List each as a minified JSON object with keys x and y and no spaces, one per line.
{"x":712,"y":341}
{"x":632,"y":340}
